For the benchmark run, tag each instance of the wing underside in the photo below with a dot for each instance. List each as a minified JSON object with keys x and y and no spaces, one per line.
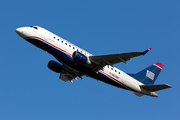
{"x":69,"y":74}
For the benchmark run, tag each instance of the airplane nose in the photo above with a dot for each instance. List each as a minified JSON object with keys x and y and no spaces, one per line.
{"x":19,"y":30}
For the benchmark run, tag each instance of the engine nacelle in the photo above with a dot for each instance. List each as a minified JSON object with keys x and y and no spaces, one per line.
{"x":81,"y":58}
{"x":55,"y":66}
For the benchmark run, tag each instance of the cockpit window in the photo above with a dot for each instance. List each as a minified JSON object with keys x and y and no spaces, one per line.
{"x":34,"y":27}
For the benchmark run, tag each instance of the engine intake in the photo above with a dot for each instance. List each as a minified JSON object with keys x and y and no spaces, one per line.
{"x":81,"y":58}
{"x":54,"y":66}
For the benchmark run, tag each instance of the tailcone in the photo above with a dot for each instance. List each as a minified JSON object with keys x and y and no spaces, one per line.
{"x":154,"y":94}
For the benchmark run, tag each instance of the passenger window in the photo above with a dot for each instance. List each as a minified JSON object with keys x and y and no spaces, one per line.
{"x":115,"y":70}
{"x":111,"y":68}
{"x":62,"y":41}
{"x":58,"y":39}
{"x":119,"y":72}
{"x":69,"y":45}
{"x":73,"y":47}
{"x":65,"y":43}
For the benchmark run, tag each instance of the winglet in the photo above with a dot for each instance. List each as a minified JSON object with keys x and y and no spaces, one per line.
{"x":146,"y":51}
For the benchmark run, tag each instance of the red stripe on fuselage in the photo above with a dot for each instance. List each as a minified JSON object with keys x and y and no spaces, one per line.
{"x":48,"y":44}
{"x":116,"y":80}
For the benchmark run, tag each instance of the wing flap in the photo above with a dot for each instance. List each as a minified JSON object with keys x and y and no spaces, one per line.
{"x":153,"y":88}
{"x":66,"y":76}
{"x":69,"y":74}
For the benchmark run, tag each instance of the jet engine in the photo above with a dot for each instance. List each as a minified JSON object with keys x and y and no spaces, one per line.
{"x":81,"y":58}
{"x":54,"y":66}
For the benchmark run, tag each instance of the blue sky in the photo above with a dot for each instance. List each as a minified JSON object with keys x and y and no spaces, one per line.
{"x":29,"y":90}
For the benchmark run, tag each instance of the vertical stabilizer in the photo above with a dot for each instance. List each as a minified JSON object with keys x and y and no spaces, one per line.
{"x":148,"y":75}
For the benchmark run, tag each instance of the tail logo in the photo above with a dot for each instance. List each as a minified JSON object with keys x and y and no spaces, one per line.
{"x":150,"y":75}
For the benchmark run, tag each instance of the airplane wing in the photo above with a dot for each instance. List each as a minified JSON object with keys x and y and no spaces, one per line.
{"x":68,"y":74}
{"x":103,"y":60}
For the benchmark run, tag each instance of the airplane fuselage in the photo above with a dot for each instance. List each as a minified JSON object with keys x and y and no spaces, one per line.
{"x":63,"y":51}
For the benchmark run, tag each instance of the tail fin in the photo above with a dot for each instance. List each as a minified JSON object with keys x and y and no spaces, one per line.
{"x":148,"y":75}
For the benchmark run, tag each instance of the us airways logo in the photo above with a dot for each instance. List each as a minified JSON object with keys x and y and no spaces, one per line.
{"x":150,"y":75}
{"x":114,"y":75}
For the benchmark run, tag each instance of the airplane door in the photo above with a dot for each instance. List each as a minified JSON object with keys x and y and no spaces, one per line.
{"x":52,"y":37}
{"x":49,"y":36}
{"x":124,"y":78}
{"x":46,"y":36}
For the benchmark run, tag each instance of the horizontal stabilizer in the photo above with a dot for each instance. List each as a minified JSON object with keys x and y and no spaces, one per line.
{"x":153,"y":88}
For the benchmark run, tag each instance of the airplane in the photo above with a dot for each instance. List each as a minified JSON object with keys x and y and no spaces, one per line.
{"x":75,"y":62}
